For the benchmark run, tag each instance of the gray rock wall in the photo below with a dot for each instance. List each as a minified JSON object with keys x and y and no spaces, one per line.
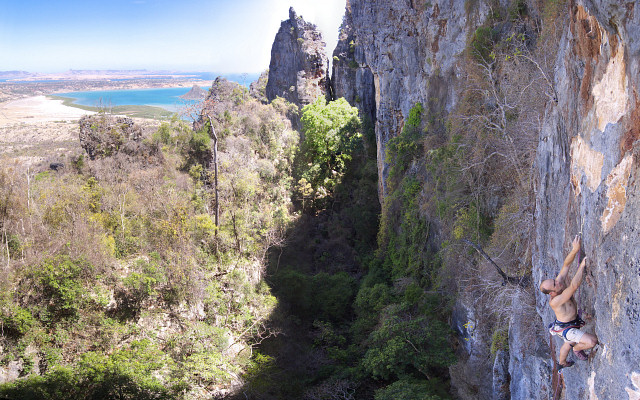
{"x":587,"y":181}
{"x":298,"y":70}
{"x":351,"y":78}
{"x":411,"y":48}
{"x":587,"y":167}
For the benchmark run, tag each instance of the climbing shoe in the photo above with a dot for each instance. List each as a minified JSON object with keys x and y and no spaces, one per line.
{"x":567,"y":365}
{"x":580,"y":355}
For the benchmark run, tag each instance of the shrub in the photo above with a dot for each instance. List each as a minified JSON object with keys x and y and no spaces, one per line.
{"x":163,"y":134}
{"x":482,"y":43}
{"x":404,"y":148}
{"x":499,"y":340}
{"x":517,"y":10}
{"x":60,"y":280}
{"x":16,"y":319}
{"x":333,"y":295}
{"x":126,"y":374}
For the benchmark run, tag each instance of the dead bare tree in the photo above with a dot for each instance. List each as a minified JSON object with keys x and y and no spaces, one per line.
{"x":522,"y":281}
{"x":7,"y":186}
{"x":334,"y":389}
{"x":214,"y":136}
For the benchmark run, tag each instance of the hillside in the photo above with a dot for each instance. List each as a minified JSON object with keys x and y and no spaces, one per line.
{"x":196,"y":93}
{"x":121,"y":283}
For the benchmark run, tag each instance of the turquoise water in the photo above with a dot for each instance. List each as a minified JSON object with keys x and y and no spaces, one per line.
{"x":167,"y":98}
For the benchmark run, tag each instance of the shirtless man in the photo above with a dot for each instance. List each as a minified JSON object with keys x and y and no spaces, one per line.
{"x":567,"y":324}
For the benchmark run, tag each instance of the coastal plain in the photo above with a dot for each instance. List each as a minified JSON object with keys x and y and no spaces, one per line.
{"x":36,"y":128}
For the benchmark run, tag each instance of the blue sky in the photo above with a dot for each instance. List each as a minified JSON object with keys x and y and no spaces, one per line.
{"x":223,"y":36}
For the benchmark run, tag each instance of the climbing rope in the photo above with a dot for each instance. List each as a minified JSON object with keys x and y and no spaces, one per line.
{"x":558,"y":382}
{"x":581,"y":222}
{"x":579,"y":261}
{"x":556,"y":374}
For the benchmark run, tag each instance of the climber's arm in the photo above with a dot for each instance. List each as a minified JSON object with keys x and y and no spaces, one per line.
{"x":571,"y":289}
{"x":569,"y":259}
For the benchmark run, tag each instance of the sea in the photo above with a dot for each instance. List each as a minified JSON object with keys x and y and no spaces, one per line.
{"x":167,"y":98}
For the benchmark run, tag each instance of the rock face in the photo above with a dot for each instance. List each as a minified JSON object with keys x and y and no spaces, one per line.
{"x":587,"y":181}
{"x":299,"y":65}
{"x":12,"y":371}
{"x":107,"y":136}
{"x":411,"y":49}
{"x":258,"y":88}
{"x":472,"y":352}
{"x":351,"y":78}
{"x":501,"y":376}
{"x":587,"y":167}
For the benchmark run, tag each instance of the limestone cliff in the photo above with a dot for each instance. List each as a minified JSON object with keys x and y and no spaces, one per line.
{"x":351,"y":78}
{"x":587,"y":181}
{"x":299,"y":65}
{"x":586,"y":168}
{"x":411,"y":48}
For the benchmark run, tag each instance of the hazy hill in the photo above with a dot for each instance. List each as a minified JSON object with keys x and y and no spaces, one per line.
{"x":196,"y":93}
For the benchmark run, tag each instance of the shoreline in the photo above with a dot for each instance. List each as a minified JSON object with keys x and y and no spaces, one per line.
{"x":134,"y":111}
{"x":18,"y":90}
{"x":37,"y":109}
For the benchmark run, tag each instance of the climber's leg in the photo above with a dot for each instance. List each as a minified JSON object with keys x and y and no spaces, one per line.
{"x":587,"y":341}
{"x":564,"y":352}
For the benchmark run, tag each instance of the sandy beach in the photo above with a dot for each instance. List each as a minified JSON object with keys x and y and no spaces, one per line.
{"x":37,"y":109}
{"x":36,"y":130}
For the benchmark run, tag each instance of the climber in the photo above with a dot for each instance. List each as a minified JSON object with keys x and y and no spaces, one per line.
{"x":565,"y":308}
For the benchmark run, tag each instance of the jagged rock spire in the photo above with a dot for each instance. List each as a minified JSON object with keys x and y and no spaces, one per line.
{"x":298,"y":70}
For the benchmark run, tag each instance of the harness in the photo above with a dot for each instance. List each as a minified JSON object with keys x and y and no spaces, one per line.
{"x":556,"y":327}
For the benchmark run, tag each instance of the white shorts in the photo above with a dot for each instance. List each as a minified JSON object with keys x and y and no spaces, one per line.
{"x":571,"y":335}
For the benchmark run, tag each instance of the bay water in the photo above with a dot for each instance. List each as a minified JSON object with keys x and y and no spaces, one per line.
{"x":167,"y":98}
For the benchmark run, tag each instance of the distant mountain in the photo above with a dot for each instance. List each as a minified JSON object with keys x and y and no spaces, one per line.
{"x":14,"y":74}
{"x":196,"y":93}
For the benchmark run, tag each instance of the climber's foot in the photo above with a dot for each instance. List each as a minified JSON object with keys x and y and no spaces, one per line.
{"x":580,"y":355}
{"x":567,"y":365}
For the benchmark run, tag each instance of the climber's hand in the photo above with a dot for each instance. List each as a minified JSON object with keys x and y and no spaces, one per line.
{"x":576,"y":243}
{"x":583,"y":263}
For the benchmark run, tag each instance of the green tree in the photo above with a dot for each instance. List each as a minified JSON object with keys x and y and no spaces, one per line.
{"x":404,"y":345}
{"x":331,"y":134}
